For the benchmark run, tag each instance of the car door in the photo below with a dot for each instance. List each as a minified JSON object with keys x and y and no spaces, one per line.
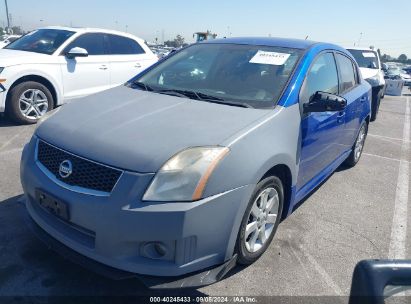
{"x":127,"y":58}
{"x":355,"y":96}
{"x":86,"y":75}
{"x":320,"y":131}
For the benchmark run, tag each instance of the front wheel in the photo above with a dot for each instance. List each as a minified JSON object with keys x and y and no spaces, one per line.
{"x":28,"y":102}
{"x":260,"y":220}
{"x":358,"y":146}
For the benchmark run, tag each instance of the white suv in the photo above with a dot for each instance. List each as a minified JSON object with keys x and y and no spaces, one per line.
{"x":51,"y":65}
{"x":370,"y":67}
{"x":7,"y":39}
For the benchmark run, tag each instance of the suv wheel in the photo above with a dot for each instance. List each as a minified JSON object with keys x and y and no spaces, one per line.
{"x":28,"y":102}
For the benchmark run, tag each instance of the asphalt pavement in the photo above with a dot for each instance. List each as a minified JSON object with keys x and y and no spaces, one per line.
{"x":358,"y":213}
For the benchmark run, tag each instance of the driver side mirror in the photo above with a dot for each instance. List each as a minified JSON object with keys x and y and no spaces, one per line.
{"x":76,"y":52}
{"x":323,"y":102}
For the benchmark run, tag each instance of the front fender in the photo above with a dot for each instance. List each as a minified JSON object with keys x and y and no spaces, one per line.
{"x":49,"y":72}
{"x":271,"y":141}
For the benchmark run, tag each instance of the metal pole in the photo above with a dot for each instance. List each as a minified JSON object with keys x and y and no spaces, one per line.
{"x":7,"y":14}
{"x":359,"y":40}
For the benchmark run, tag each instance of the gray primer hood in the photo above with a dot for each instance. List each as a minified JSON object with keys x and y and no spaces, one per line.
{"x":139,"y":131}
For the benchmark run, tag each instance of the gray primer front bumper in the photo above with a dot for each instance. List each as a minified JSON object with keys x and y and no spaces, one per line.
{"x":110,"y":230}
{"x":194,"y":280}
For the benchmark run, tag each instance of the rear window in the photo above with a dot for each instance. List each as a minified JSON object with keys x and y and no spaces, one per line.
{"x":365,"y":59}
{"x":348,"y":75}
{"x":119,"y":45}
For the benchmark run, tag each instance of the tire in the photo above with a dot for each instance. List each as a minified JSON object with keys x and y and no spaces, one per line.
{"x":32,"y":97}
{"x":273,"y":188}
{"x":355,"y":154}
{"x":375,"y":107}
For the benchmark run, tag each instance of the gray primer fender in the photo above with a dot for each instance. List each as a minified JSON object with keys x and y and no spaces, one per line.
{"x":270,"y":141}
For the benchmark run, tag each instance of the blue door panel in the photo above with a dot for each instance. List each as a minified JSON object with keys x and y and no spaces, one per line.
{"x":356,"y":100}
{"x":321,"y":134}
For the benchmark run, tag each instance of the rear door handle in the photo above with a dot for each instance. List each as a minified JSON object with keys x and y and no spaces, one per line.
{"x":103,"y":67}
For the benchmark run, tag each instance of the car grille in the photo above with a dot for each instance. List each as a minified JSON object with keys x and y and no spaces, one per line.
{"x":85,"y":173}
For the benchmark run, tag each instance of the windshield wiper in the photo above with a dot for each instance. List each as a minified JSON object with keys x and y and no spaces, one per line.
{"x":180,"y":93}
{"x":203,"y":97}
{"x":230,"y":103}
{"x":142,"y":85}
{"x":209,"y":97}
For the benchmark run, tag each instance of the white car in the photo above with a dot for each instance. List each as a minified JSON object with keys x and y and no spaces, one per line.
{"x":406,"y":77}
{"x":52,"y":65}
{"x":370,"y":67}
{"x":7,"y":39}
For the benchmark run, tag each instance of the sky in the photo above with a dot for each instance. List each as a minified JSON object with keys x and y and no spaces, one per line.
{"x":380,"y":23}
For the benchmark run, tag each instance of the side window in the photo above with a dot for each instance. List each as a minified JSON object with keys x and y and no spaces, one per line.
{"x":123,"y":46}
{"x":348,"y":79}
{"x":322,"y":76}
{"x":92,"y":42}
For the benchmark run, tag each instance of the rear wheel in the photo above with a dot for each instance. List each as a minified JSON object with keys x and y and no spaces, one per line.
{"x":358,"y":146}
{"x":260,"y":220}
{"x":28,"y":102}
{"x":375,"y":106}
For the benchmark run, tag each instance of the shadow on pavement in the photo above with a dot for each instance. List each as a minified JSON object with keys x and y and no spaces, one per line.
{"x":29,"y":268}
{"x":5,"y":122}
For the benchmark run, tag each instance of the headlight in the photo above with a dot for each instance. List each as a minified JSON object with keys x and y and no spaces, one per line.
{"x":373,"y":81}
{"x":184,"y":176}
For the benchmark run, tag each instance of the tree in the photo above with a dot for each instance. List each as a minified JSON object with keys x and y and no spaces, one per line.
{"x":179,"y":40}
{"x":170,"y":43}
{"x":385,"y":58}
{"x":17,"y":30}
{"x":402,"y":58}
{"x":379,"y":53}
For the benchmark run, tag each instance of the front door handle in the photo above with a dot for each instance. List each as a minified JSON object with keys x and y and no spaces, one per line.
{"x":103,"y":67}
{"x":340,"y":116}
{"x":364,"y":98}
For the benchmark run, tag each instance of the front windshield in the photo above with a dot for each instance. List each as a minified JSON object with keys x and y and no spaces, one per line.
{"x":243,"y":74}
{"x":365,"y":59}
{"x":45,"y":41}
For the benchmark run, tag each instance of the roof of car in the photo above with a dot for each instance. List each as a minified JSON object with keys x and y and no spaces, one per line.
{"x":90,"y":29}
{"x":267,"y":41}
{"x":360,"y":48}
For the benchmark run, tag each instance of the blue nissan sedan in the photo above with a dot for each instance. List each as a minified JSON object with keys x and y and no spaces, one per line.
{"x":189,"y":167}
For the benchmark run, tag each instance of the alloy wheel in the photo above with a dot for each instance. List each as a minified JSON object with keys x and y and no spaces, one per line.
{"x":261,"y":219}
{"x":33,"y":104}
{"x":359,"y":144}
